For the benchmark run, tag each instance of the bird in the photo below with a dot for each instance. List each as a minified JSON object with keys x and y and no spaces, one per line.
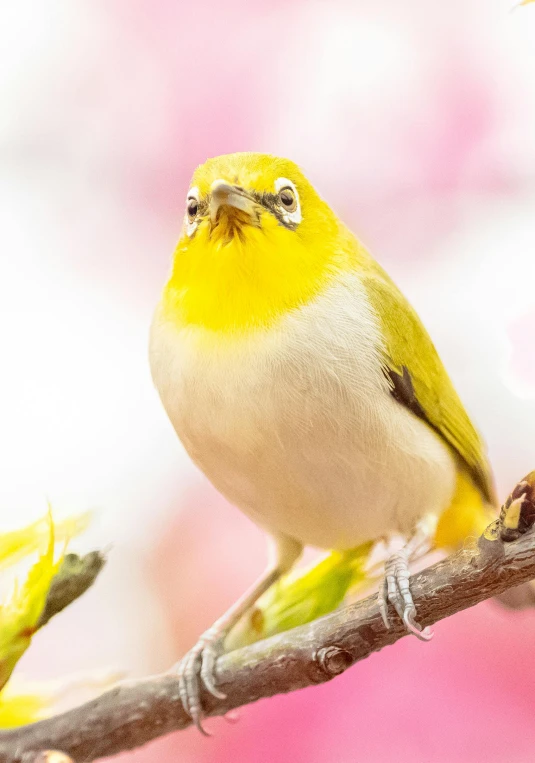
{"x":303,"y":384}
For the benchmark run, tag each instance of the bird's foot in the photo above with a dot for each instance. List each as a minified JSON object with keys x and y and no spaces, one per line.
{"x":195,"y":670}
{"x":395,"y":589}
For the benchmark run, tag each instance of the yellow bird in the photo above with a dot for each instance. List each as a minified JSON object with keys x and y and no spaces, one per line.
{"x":303,"y":384}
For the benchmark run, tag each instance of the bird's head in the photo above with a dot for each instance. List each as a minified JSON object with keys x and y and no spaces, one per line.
{"x":257,"y":242}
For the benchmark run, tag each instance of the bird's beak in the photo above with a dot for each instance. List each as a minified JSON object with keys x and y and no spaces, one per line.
{"x":223,"y":194}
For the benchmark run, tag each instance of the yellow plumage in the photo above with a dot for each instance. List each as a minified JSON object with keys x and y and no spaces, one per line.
{"x":302,"y":382}
{"x":247,"y":282}
{"x":232,"y":286}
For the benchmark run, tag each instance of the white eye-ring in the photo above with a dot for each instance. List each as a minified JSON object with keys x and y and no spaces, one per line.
{"x":289,"y":203}
{"x":191,"y":219}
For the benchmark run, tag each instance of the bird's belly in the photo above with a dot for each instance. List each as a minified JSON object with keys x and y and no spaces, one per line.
{"x":298,"y":429}
{"x":322,"y":488}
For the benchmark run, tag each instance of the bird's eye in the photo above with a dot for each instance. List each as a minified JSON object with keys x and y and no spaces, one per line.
{"x":193,"y":209}
{"x":288,"y":199}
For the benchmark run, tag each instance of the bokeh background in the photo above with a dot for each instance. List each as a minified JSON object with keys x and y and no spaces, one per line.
{"x":416,"y":120}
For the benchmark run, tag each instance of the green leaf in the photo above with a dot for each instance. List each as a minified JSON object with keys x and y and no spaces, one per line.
{"x":303,"y":596}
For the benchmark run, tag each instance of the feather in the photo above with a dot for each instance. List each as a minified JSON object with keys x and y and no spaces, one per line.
{"x":419,"y":381}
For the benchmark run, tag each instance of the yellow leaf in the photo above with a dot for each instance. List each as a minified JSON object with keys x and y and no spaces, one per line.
{"x":18,"y":544}
{"x":23,"y":701}
{"x":20,"y":709}
{"x":20,"y":615}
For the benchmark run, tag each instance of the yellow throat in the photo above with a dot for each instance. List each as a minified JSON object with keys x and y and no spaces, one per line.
{"x":246,"y":257}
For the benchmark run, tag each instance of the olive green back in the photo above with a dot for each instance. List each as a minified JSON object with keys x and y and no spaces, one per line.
{"x":419,"y":380}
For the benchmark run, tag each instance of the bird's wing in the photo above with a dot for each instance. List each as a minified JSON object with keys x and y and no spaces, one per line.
{"x":419,"y":380}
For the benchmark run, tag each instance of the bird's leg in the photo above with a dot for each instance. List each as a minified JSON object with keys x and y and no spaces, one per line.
{"x":196,"y":668}
{"x":395,"y":587}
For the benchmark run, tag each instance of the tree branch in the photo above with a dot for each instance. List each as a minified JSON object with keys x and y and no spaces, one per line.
{"x":74,"y":577}
{"x":136,"y":712}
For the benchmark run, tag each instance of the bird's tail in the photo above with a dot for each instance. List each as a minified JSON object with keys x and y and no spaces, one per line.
{"x":465,"y":518}
{"x":468,"y":516}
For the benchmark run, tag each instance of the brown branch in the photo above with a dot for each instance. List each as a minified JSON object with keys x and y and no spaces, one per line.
{"x":133,"y":713}
{"x":74,"y":577}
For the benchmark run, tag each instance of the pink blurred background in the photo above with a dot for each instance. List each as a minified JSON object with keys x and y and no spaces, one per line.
{"x":417,"y":121}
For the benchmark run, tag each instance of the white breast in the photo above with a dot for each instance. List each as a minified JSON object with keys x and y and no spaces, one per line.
{"x":296,"y":425}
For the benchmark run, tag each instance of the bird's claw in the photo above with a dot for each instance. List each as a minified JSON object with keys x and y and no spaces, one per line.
{"x":395,"y":589}
{"x":195,"y":670}
{"x":409,"y":615}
